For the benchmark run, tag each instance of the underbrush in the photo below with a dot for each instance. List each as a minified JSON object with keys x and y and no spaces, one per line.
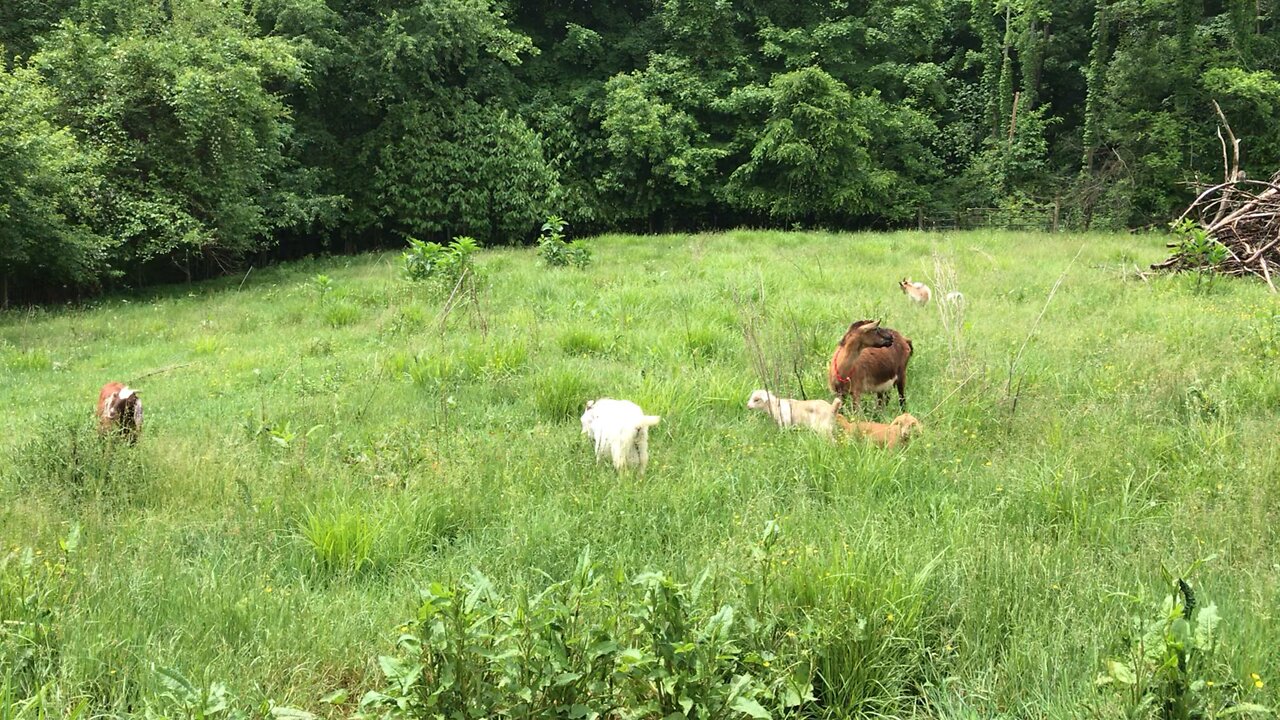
{"x":66,"y":458}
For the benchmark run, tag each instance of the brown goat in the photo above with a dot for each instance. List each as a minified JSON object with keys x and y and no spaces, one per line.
{"x":859,"y":368}
{"x":119,"y":411}
{"x":888,"y":435}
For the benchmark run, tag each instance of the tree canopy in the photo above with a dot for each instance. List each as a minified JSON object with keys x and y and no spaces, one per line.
{"x":154,"y":139}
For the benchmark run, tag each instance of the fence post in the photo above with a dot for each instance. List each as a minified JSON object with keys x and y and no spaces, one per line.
{"x":920,"y":219}
{"x":1057,"y":208}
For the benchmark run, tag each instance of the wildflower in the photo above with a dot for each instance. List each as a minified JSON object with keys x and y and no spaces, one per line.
{"x":889,"y":617}
{"x":269,"y":588}
{"x":1258,"y":684}
{"x":766,"y":663}
{"x":1208,"y":683}
{"x":988,"y":463}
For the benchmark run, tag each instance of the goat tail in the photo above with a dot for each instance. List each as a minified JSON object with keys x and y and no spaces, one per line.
{"x":649,"y":421}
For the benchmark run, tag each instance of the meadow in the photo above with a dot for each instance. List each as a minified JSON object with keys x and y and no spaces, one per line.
{"x":324,"y":442}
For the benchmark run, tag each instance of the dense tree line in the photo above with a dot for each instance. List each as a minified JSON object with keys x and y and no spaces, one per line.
{"x":149,"y":139}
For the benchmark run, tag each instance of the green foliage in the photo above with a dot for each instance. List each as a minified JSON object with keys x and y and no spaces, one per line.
{"x":462,"y":166}
{"x":972,"y":573}
{"x":556,"y":252}
{"x":659,"y":153}
{"x":1198,"y":252}
{"x":561,"y":393}
{"x":151,"y":140}
{"x":64,"y":455}
{"x":812,"y":159}
{"x":190,"y":136}
{"x":575,"y":650}
{"x":436,"y":263}
{"x":1171,"y":668}
{"x":47,"y":181}
{"x":183,"y":698}
{"x":341,"y":541}
{"x":35,"y":592}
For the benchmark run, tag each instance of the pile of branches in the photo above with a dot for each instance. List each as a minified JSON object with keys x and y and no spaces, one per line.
{"x":1233,"y":227}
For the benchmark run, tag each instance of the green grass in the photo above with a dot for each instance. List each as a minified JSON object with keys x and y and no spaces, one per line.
{"x":313,"y":461}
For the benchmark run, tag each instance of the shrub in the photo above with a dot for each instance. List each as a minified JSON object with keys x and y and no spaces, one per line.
{"x":579,"y":649}
{"x":1200,"y":253}
{"x":558,"y":253}
{"x":428,"y":261}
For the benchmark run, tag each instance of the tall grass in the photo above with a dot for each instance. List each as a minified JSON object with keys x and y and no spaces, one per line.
{"x":326,"y":456}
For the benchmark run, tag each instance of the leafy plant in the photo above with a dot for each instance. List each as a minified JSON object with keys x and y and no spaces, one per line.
{"x":323,"y":284}
{"x":1266,"y":336}
{"x":1169,"y":667}
{"x":1200,"y":253}
{"x":575,"y":650}
{"x":556,"y":252}
{"x":429,"y":261}
{"x":185,"y":699}
{"x":35,"y":592}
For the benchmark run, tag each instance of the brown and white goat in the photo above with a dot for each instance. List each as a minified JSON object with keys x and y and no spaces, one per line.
{"x":119,"y":411}
{"x":918,"y":292}
{"x":870,"y":359}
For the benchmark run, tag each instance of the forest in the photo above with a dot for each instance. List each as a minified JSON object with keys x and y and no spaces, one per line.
{"x":158,"y":140}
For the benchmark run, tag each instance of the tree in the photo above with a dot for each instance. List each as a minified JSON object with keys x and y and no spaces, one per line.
{"x":47,"y":184}
{"x":462,"y":168}
{"x":190,"y":138}
{"x":811,"y":161}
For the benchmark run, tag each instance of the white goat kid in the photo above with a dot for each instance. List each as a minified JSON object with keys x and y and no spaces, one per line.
{"x":619,"y":429}
{"x":817,"y":415}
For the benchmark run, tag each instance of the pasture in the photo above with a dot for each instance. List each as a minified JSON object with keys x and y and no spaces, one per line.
{"x":320,"y":451}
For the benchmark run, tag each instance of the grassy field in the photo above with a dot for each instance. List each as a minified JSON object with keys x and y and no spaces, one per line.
{"x":322,"y":453}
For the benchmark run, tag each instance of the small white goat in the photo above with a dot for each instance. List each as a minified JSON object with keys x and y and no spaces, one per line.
{"x":955,"y":297}
{"x":817,"y":415}
{"x":918,"y":292}
{"x":620,"y":429}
